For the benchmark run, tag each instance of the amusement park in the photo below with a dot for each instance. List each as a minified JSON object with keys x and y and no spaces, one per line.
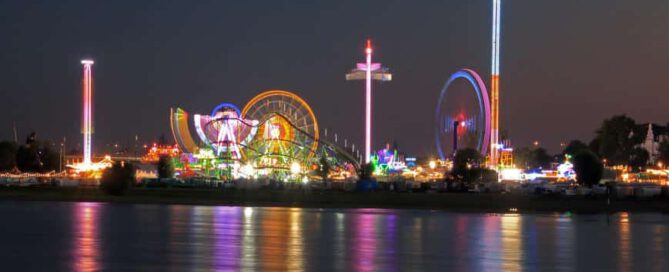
{"x":276,"y":137}
{"x":472,"y":135}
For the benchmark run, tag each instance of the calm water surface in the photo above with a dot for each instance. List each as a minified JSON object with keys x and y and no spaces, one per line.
{"x":48,"y":236}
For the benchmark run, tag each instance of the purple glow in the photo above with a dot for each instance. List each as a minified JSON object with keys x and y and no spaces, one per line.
{"x":87,"y":124}
{"x":363,"y":66}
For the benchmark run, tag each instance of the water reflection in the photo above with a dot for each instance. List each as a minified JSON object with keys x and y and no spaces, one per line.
{"x":564,"y":241}
{"x":365,"y":243}
{"x":659,"y":242}
{"x":95,"y":237}
{"x":87,"y":243}
{"x":227,"y":236}
{"x":489,"y":246}
{"x":295,"y":243}
{"x":512,"y":255}
{"x":624,"y":252}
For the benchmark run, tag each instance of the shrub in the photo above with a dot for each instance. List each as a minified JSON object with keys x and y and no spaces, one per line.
{"x":165,"y":167}
{"x":116,"y":179}
{"x":588,"y":168}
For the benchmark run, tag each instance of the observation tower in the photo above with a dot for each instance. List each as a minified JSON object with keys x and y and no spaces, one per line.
{"x":494,"y":84}
{"x":87,"y":122}
{"x":88,"y":168}
{"x":369,"y":71}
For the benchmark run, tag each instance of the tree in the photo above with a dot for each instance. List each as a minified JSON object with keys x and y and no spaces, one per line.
{"x":663,"y":149}
{"x":531,"y":158}
{"x":522,"y":157}
{"x":482,"y":174}
{"x":116,"y":179}
{"x":37,"y":156}
{"x":541,"y":159}
{"x":165,"y":167}
{"x":574,"y":147}
{"x":365,"y":171}
{"x":616,"y":139}
{"x":324,"y":168}
{"x":48,"y":156}
{"x":639,"y":158}
{"x":465,"y":160}
{"x":588,"y":168}
{"x":27,"y":158}
{"x":7,"y":156}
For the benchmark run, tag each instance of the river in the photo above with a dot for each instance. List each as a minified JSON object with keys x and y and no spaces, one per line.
{"x":63,"y":236}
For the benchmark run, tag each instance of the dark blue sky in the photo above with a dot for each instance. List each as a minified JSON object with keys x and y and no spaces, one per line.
{"x":566,"y":64}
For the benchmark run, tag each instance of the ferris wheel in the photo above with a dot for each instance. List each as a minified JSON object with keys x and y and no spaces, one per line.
{"x":287,"y":128}
{"x":462,"y":118}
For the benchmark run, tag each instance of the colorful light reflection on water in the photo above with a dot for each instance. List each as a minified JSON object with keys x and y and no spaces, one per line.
{"x":87,"y":242}
{"x":93,"y":237}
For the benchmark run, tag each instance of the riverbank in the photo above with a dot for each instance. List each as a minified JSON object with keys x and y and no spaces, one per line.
{"x":461,"y":202}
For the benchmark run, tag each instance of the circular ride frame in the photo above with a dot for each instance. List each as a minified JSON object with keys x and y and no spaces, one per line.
{"x":484,"y":109}
{"x":288,"y":107}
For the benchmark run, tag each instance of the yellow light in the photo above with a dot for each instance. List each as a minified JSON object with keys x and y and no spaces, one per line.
{"x":433,"y":164}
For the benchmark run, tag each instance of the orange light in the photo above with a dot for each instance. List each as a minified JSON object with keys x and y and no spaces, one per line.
{"x":293,"y":96}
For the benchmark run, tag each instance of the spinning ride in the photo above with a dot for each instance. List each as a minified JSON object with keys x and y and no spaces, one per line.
{"x":275,"y":134}
{"x":462,"y":118}
{"x":287,"y":130}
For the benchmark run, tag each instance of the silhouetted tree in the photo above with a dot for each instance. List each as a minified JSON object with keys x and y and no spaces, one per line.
{"x":465,"y":160}
{"x":542,"y":158}
{"x":531,"y":158}
{"x":116,"y":179}
{"x":365,"y":171}
{"x":480,"y":174}
{"x":37,"y":156}
{"x":165,"y":167}
{"x":663,"y":149}
{"x":324,"y":168}
{"x":574,"y":147}
{"x":638,"y":159}
{"x":27,"y":158}
{"x":48,"y":156}
{"x":588,"y":168}
{"x":616,"y":139}
{"x":7,"y":156}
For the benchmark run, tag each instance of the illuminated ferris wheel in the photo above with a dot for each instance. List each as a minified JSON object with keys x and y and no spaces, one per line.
{"x":462,"y":117}
{"x":287,"y":129}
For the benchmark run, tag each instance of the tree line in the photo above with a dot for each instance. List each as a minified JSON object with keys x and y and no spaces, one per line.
{"x":32,"y":156}
{"x":617,"y":142}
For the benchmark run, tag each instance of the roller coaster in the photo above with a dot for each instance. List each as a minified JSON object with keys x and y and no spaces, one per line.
{"x":275,"y":135}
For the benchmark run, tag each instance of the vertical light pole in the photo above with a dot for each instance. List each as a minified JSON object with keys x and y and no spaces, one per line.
{"x":369,"y":71}
{"x":368,"y":102}
{"x":87,"y":122}
{"x":494,"y":124}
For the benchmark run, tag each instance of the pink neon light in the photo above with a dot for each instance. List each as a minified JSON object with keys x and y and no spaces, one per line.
{"x":368,"y":103}
{"x":363,"y":66}
{"x":87,"y":126}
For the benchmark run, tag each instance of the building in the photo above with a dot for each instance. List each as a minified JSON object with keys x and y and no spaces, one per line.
{"x":655,"y":134}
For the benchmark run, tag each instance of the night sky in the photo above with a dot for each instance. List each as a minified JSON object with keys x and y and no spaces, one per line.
{"x":565,"y":65}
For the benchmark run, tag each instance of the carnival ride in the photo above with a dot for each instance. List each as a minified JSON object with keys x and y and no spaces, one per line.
{"x":275,"y":135}
{"x":462,"y":118}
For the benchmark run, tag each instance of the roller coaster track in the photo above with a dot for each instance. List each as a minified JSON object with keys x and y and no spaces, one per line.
{"x":338,"y":150}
